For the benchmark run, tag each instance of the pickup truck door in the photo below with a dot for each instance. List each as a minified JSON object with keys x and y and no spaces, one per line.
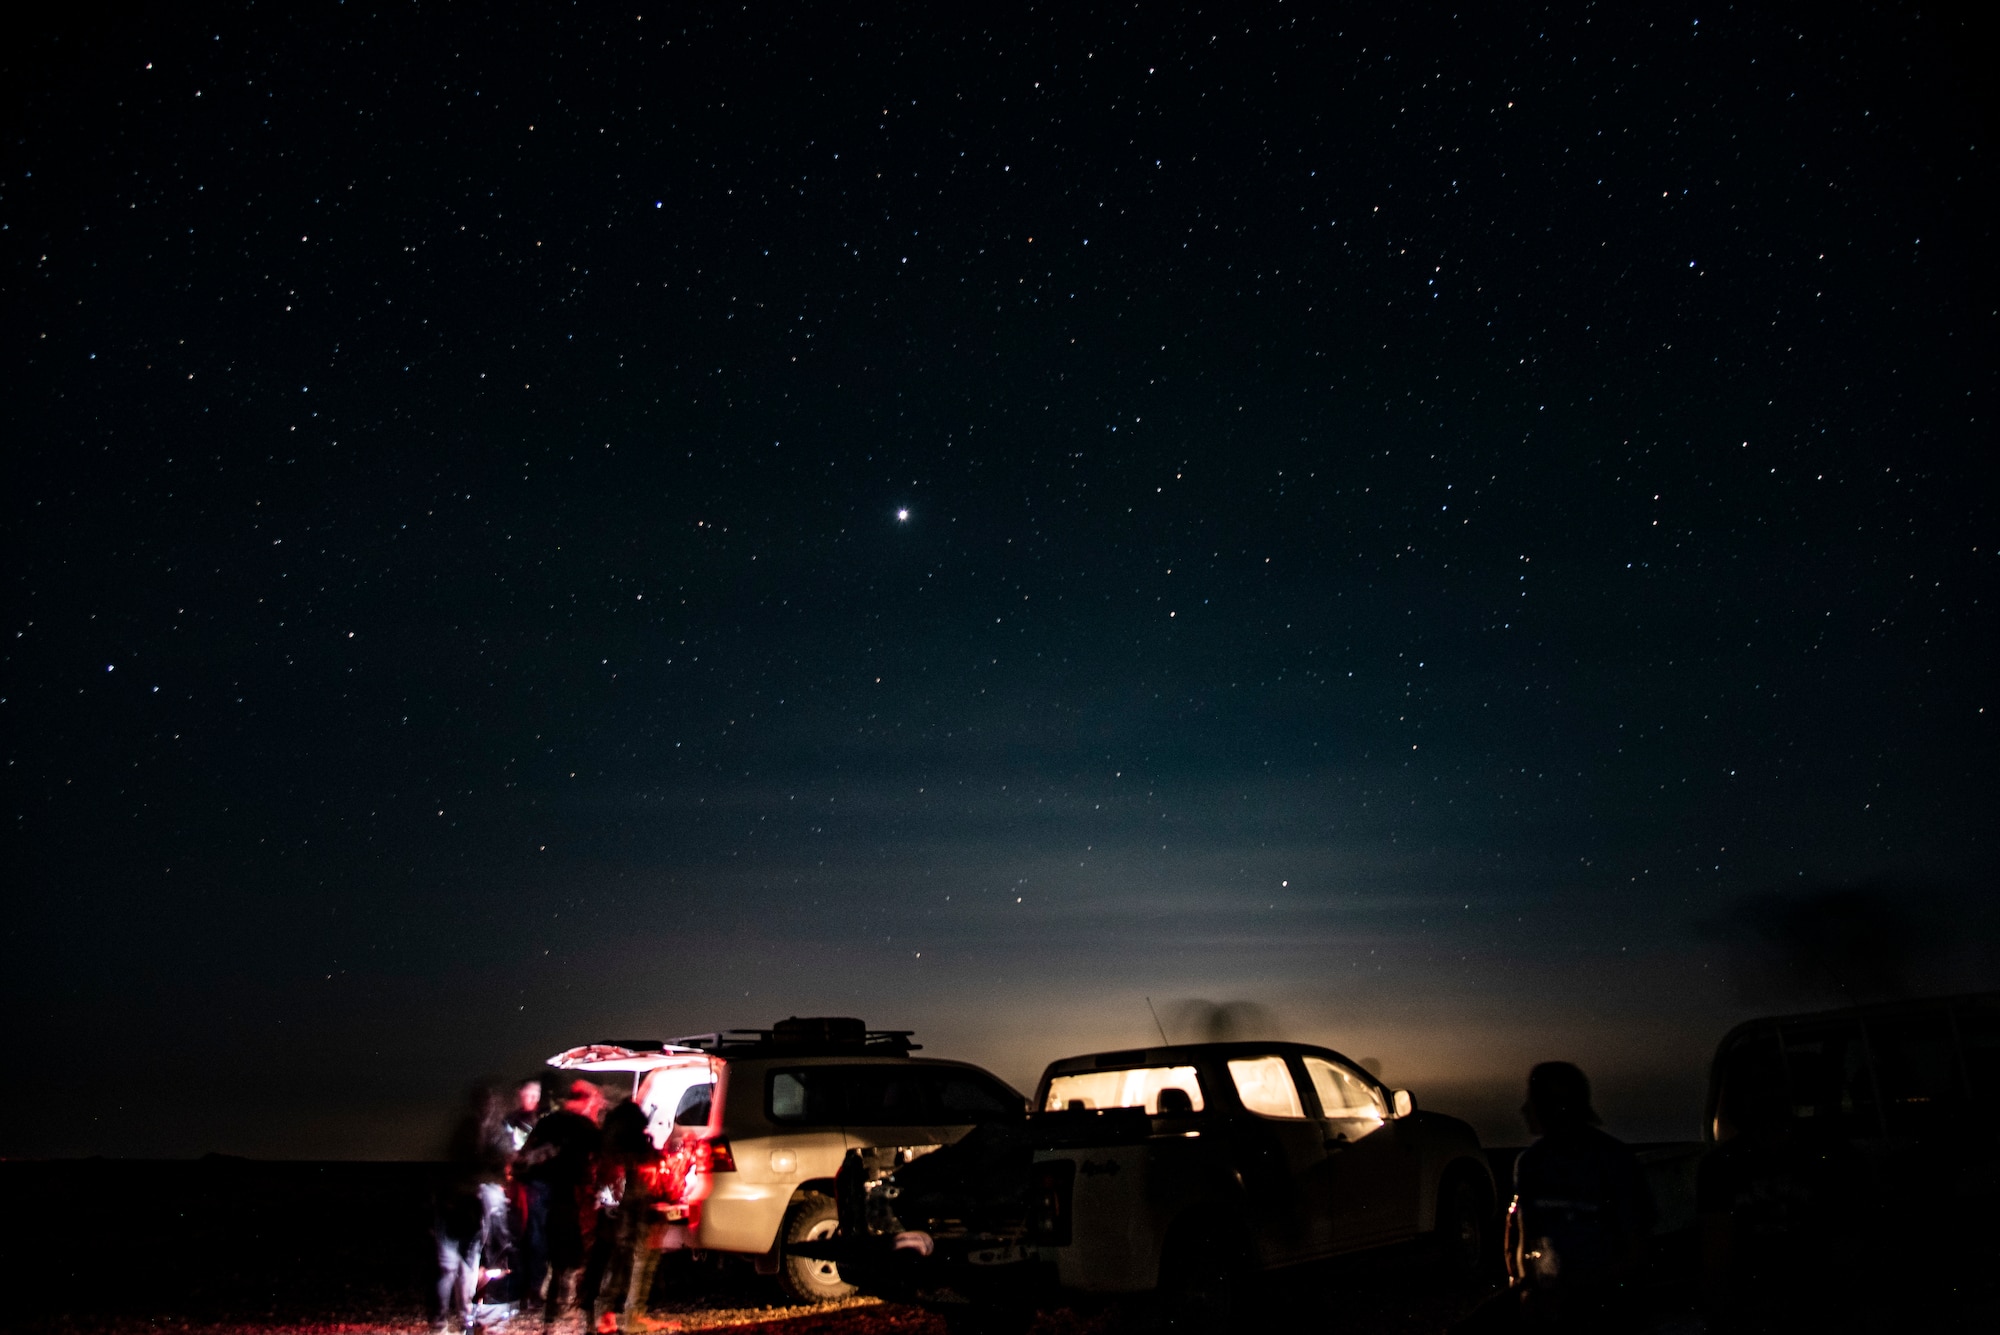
{"x":1280,"y":1151}
{"x":1367,"y":1186}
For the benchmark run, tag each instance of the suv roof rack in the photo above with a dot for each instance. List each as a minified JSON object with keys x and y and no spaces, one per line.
{"x":816,"y":1036}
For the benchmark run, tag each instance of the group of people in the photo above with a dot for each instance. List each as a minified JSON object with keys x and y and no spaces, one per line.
{"x":550,"y":1207}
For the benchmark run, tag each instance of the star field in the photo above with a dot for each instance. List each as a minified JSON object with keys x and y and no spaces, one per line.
{"x":569,"y":522}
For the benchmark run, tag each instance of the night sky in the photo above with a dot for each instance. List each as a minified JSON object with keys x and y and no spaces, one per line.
{"x":1435,"y":528}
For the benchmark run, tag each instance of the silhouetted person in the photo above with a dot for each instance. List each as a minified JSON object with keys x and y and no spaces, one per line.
{"x":1581,"y":1214}
{"x":557,"y":1162}
{"x":469,"y":1222}
{"x":625,"y":1202}
{"x":1579,"y":1221}
{"x":521,"y":1119}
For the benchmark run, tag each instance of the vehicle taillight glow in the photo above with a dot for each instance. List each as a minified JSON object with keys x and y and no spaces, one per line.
{"x":659,"y":1178}
{"x":1049,"y":1206}
{"x":701,"y":1159}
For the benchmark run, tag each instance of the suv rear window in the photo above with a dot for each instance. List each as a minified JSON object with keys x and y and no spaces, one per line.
{"x":887,"y":1095}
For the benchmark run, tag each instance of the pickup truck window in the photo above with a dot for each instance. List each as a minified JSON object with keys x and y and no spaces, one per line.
{"x":1342,"y":1093}
{"x":1138,"y":1087}
{"x":1265,"y":1086}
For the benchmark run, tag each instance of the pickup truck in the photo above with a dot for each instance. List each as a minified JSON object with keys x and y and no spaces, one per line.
{"x":1164,"y":1175}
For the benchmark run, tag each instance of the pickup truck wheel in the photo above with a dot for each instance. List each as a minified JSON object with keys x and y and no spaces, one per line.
{"x":811,"y":1218}
{"x":1204,"y":1286}
{"x":1464,"y":1230}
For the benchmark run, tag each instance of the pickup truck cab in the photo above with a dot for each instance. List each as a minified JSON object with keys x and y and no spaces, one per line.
{"x":1164,"y":1169}
{"x":752,"y":1124}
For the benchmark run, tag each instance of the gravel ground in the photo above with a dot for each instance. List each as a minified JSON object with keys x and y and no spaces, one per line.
{"x":1386,"y":1293}
{"x":208,"y":1246}
{"x":104,"y":1247}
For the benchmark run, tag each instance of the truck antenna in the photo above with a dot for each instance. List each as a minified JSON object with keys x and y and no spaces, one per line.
{"x":1164,"y":1040}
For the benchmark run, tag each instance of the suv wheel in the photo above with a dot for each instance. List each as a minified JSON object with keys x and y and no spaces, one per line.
{"x":811,"y":1218}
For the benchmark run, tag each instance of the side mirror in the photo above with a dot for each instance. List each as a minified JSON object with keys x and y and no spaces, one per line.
{"x":1400,"y":1103}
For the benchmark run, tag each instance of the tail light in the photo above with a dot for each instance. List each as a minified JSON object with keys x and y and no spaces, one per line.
{"x":685,"y":1175}
{"x":659,"y":1177}
{"x":1049,"y":1204}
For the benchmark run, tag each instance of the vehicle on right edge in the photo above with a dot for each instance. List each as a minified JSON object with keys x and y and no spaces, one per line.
{"x":1172,"y":1171}
{"x":1906,"y":1093}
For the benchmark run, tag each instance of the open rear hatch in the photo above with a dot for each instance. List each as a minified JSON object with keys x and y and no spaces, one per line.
{"x":680,"y":1090}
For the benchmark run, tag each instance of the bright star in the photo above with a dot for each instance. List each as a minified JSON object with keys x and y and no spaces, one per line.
{"x":902,"y":516}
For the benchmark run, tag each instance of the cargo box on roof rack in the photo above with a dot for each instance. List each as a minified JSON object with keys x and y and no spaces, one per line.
{"x":817,"y":1035}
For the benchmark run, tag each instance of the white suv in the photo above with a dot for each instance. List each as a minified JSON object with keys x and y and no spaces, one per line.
{"x":752,"y":1125}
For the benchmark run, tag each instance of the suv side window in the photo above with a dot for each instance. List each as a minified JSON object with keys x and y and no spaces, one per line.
{"x":1344,"y":1093}
{"x":810,"y":1096}
{"x":886,"y":1095}
{"x":964,"y":1097}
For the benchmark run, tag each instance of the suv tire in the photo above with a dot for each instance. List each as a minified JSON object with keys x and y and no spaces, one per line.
{"x":812,"y":1216}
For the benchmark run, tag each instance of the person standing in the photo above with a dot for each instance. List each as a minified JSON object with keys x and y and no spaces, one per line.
{"x":527,"y":1111}
{"x":1578,"y":1224}
{"x":558,"y":1163}
{"x":525,"y":1264}
{"x":469,"y":1207}
{"x":1581,"y":1214}
{"x":624,"y":1222}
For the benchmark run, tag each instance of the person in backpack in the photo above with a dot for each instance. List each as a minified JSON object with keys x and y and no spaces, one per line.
{"x":1581,"y":1214}
{"x":1579,"y":1221}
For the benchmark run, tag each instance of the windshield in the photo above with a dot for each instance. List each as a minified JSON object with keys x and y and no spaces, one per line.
{"x":1139,"y":1087}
